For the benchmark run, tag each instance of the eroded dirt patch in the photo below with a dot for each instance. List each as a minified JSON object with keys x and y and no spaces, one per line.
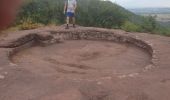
{"x":83,"y":58}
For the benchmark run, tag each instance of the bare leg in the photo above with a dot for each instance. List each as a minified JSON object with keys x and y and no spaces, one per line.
{"x":67,"y":20}
{"x":74,"y":21}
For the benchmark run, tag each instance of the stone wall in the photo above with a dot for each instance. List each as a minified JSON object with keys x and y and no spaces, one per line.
{"x":54,"y":36}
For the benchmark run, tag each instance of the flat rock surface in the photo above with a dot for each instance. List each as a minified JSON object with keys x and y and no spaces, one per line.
{"x":84,"y":69}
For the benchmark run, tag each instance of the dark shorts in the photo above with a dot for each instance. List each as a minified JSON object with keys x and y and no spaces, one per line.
{"x":70,"y":14}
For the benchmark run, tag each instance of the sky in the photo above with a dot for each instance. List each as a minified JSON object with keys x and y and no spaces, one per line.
{"x":143,"y":3}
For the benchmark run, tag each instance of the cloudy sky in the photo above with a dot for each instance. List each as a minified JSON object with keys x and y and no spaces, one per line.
{"x":143,"y":3}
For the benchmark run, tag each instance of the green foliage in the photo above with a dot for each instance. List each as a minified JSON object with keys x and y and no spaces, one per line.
{"x":100,"y":14}
{"x":42,"y":11}
{"x":96,"y":13}
{"x":89,"y":13}
{"x":149,"y":24}
{"x":162,"y":31}
{"x":28,"y":24}
{"x":130,"y":27}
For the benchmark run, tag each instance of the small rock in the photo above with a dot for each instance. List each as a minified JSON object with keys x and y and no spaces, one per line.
{"x":2,"y":77}
{"x":99,"y":83}
{"x":122,"y":76}
{"x":5,"y":73}
{"x":12,"y":64}
{"x":133,"y":74}
{"x":149,"y":67}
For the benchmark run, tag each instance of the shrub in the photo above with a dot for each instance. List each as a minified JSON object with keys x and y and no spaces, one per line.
{"x":28,"y":24}
{"x":130,"y":27}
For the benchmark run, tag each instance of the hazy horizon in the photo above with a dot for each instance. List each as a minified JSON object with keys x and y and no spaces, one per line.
{"x":143,"y":4}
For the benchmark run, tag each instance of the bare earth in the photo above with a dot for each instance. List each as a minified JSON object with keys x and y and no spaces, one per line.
{"x":84,"y":69}
{"x":83,"y":58}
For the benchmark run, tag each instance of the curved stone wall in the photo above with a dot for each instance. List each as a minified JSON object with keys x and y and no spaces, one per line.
{"x":53,"y":36}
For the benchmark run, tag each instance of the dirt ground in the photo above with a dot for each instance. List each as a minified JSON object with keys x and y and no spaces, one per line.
{"x":85,"y":69}
{"x":83,"y":58}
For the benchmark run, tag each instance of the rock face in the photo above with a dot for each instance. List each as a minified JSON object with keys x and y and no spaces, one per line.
{"x":21,"y":82}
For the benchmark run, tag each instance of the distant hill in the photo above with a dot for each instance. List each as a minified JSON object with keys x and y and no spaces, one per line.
{"x":150,"y":10}
{"x":162,"y":14}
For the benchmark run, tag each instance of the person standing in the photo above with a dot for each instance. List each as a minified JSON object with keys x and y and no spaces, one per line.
{"x":69,"y":9}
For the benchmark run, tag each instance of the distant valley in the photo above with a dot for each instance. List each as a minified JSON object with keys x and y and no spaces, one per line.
{"x":150,"y":10}
{"x":162,"y":14}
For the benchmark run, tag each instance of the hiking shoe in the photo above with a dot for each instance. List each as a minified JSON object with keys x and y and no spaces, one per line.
{"x":74,"y":26}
